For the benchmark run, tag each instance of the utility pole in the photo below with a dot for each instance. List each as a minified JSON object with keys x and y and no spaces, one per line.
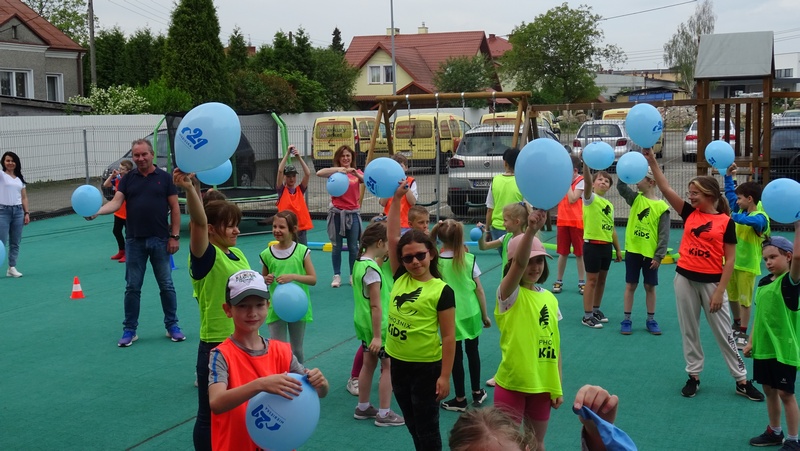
{"x":394,"y":61}
{"x":92,"y":56}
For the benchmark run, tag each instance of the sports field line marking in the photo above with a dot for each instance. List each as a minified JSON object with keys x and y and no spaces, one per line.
{"x":161,"y":433}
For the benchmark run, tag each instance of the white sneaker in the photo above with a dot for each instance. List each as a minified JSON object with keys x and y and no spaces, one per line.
{"x":336,"y":281}
{"x":352,"y":386}
{"x":12,"y":272}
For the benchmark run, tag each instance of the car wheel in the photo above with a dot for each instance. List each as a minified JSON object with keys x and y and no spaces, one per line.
{"x":457,"y":205}
{"x":660,"y":155}
{"x":444,"y":161}
{"x":685,"y":158}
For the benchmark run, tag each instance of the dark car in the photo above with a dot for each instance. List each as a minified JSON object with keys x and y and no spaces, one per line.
{"x":244,"y":170}
{"x":785,"y":149}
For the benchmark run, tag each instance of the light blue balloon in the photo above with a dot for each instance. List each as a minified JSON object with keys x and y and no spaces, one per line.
{"x":206,"y":137}
{"x":544,"y":173}
{"x":719,"y":154}
{"x":218,"y":175}
{"x":289,"y":301}
{"x":475,"y":234}
{"x":644,"y":125}
{"x":337,"y":184}
{"x":632,"y":167}
{"x":598,"y":155}
{"x":781,"y":200}
{"x":280,"y":424}
{"x":382,"y":176}
{"x":2,"y":252}
{"x":86,"y":200}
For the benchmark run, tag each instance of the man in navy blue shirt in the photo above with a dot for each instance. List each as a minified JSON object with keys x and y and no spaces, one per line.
{"x":150,"y":197}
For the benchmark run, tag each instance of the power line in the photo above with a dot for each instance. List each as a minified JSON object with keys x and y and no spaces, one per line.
{"x":137,"y":12}
{"x":648,"y":10}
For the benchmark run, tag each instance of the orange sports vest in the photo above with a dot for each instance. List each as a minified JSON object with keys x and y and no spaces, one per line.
{"x":404,"y":207}
{"x":702,"y":249}
{"x":122,"y":212}
{"x":229,"y":430}
{"x":296,"y":203}
{"x":570,"y":215}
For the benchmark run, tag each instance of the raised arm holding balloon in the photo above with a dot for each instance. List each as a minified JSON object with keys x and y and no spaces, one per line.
{"x":14,"y":212}
{"x":291,"y":194}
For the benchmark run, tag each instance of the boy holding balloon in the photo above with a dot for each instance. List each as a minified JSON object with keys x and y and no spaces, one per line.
{"x":752,"y":226}
{"x":291,"y":195}
{"x":246,"y":364}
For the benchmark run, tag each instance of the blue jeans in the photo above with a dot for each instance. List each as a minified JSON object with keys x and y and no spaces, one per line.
{"x":12,"y":219}
{"x":137,"y":250}
{"x":352,"y":236}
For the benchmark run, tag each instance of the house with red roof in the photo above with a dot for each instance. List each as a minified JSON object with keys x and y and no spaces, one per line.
{"x":418,"y":57}
{"x":39,"y":64}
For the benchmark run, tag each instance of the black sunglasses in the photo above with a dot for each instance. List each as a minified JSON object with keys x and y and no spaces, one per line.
{"x":408,"y":259}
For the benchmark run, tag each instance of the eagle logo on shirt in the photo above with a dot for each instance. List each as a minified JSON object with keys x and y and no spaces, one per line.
{"x":607,"y":210}
{"x":700,"y":229}
{"x":401,"y":299}
{"x":643,"y":214}
{"x":544,"y":317}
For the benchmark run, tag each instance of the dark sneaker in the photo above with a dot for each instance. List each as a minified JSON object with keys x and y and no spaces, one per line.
{"x":391,"y":419}
{"x":128,"y":337}
{"x":691,"y":387}
{"x":591,"y":322}
{"x":626,"y":327}
{"x":366,"y":414}
{"x":652,"y":327}
{"x":749,"y":391}
{"x":479,"y":398}
{"x":790,"y":445}
{"x":174,"y":333}
{"x":557,"y":287}
{"x":455,"y":405}
{"x":598,"y":315}
{"x":768,"y":438}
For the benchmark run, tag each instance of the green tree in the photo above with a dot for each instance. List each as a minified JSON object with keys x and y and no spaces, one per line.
{"x":465,"y":74}
{"x":337,"y":77}
{"x":69,"y":16}
{"x":114,"y":100}
{"x":310,"y":93}
{"x":262,"y":60}
{"x":109,"y":47}
{"x":292,"y":52}
{"x":680,"y":52}
{"x":141,"y":60}
{"x":194,"y":59}
{"x":163,"y":99}
{"x":557,"y":55}
{"x":337,"y":45}
{"x":257,"y":92}
{"x":236,"y":56}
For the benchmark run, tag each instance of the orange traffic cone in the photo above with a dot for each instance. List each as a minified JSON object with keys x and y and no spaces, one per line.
{"x":77,"y":291}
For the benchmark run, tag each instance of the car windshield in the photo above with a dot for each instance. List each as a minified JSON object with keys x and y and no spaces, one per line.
{"x":484,"y":144}
{"x":786,"y":139}
{"x":600,"y":131}
{"x":792,"y":113}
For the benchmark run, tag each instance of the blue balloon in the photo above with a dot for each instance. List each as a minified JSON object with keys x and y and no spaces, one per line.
{"x":719,"y":154}
{"x":382,"y":176}
{"x":544,"y":173}
{"x":632,"y":167}
{"x":644,"y":125}
{"x":206,"y":137}
{"x":290,"y":302}
{"x":280,"y":424}
{"x":475,"y":234}
{"x":338,"y":184}
{"x":218,"y":175}
{"x":781,"y":200}
{"x":86,"y":200}
{"x":2,"y":252}
{"x":598,"y":155}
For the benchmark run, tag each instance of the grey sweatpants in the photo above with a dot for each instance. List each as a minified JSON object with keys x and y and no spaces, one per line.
{"x":691,"y":297}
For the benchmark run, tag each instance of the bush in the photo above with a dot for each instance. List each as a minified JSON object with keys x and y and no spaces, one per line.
{"x":114,"y":100}
{"x":163,"y":99}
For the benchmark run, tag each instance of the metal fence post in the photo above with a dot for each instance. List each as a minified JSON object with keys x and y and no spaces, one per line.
{"x":86,"y":155}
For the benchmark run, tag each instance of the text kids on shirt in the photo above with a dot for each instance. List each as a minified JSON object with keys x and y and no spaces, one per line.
{"x":246,"y":364}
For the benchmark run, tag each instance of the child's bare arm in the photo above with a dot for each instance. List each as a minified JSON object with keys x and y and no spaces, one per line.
{"x":376,"y":315}
{"x":587,"y":182}
{"x":393,"y":225}
{"x":673,"y":198}
{"x":221,"y":399}
{"x":482,"y":302}
{"x":318,"y":381}
{"x":794,"y":272}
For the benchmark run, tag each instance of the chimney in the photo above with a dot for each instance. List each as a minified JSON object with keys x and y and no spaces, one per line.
{"x":389,"y":31}
{"x":491,"y":35}
{"x":423,"y":29}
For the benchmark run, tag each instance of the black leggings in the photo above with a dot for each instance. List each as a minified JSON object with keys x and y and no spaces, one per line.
{"x":119,"y":223}
{"x":474,"y":362}
{"x":414,"y":386}
{"x":202,"y":425}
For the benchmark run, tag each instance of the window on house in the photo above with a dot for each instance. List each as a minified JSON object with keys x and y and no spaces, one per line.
{"x":55,"y":87}
{"x":15,"y":83}
{"x":388,"y":74}
{"x":374,"y":74}
{"x":14,"y":32}
{"x":784,"y":73}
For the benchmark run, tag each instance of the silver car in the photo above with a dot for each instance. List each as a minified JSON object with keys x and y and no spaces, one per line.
{"x":610,"y":131}
{"x":478,"y":158}
{"x":689,"y":150}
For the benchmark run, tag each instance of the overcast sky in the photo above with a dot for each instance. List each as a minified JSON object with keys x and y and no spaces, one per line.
{"x":640,"y":33}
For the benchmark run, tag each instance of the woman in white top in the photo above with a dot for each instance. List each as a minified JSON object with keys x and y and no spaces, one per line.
{"x":13,"y":209}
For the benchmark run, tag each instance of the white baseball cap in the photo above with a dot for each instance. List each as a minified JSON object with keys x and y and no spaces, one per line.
{"x":243,"y":284}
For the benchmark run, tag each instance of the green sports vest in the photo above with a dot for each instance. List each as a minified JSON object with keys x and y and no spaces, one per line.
{"x":292,"y":264}
{"x":748,"y":246}
{"x":467,"y":306}
{"x":504,"y":252}
{"x":776,"y":329}
{"x":388,"y":276}
{"x":504,"y":192}
{"x":413,"y":331}
{"x":215,"y":326}
{"x":641,"y":234}
{"x":598,"y":220}
{"x":530,"y":344}
{"x":362,"y":313}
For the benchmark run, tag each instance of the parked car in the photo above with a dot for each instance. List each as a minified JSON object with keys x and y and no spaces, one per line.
{"x":414,"y":137}
{"x":477,"y":160}
{"x":244,"y":170}
{"x":795,"y":114}
{"x":785,"y":149}
{"x":622,"y":113}
{"x":545,"y":118}
{"x":332,"y":132}
{"x":689,"y":150}
{"x":611,"y":132}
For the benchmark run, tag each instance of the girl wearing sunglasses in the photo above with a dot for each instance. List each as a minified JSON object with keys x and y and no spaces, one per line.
{"x":421,"y":308}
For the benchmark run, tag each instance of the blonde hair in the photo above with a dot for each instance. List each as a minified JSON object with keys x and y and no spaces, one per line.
{"x":476,"y":428}
{"x":518,"y":211}
{"x":451,"y":233}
